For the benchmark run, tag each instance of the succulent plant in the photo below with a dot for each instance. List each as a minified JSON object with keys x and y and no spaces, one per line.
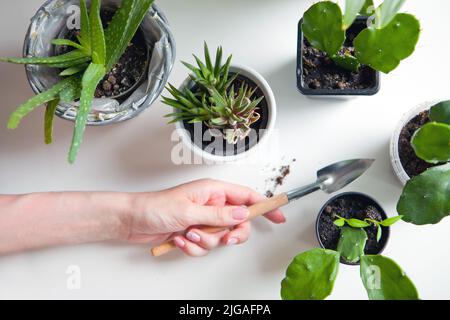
{"x":382,"y":45}
{"x":214,"y":99}
{"x":96,"y":52}
{"x":352,"y":243}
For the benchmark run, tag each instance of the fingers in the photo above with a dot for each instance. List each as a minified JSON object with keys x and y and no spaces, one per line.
{"x":208,"y":241}
{"x":276,"y":216}
{"x":216,"y":216}
{"x":238,"y":235}
{"x":189,"y":248}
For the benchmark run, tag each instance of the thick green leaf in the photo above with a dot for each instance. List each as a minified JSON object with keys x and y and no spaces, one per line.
{"x":55,"y":61}
{"x":72,"y":91}
{"x":74,"y":70}
{"x":425,"y":198}
{"x":352,"y":8}
{"x":384,"y":49}
{"x":441,"y":112}
{"x":347,"y":62}
{"x":311,"y":275}
{"x":85,"y":32}
{"x":385,"y":280}
{"x":94,"y":73}
{"x":48,"y":122}
{"x":322,"y":26}
{"x":352,"y":243}
{"x":432,"y":142}
{"x":70,"y":43}
{"x":368,"y":9}
{"x":97,"y":34}
{"x":386,"y":12}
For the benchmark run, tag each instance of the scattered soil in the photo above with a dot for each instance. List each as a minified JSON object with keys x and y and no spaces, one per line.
{"x":320,"y":72}
{"x":351,"y":206}
{"x":281,"y":174}
{"x":412,"y":164}
{"x":128,"y":71}
{"x":263,"y":110}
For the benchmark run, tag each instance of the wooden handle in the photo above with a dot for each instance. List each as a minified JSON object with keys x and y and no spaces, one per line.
{"x":255,"y":211}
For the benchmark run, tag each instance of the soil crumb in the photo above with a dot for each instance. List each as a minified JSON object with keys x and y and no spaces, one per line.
{"x":281,"y":173}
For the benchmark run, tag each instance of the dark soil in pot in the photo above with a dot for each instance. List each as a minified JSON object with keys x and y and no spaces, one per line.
{"x":412,"y":164}
{"x":319,"y":72}
{"x":351,"y":205}
{"x":128,"y":73}
{"x":262,"y":123}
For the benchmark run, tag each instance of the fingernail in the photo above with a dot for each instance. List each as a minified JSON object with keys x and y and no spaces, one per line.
{"x":192,"y":236}
{"x":232,"y":241}
{"x":179,"y":242}
{"x":240,"y":213}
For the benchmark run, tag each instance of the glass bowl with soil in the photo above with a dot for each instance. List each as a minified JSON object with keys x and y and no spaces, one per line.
{"x":351,"y":205}
{"x":210,"y":145}
{"x":132,"y":85}
{"x":318,"y":75}
{"x":404,"y":160}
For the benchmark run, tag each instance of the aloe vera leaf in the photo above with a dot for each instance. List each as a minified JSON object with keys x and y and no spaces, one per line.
{"x":85,"y":32}
{"x":386,"y":12}
{"x":384,"y":49}
{"x":311,"y":275}
{"x":94,"y":73}
{"x":35,"y":102}
{"x":70,"y":43}
{"x":352,"y":243}
{"x":74,"y":70}
{"x":55,"y":60}
{"x":322,"y":26}
{"x":48,"y":122}
{"x":72,"y":91}
{"x":441,"y":112}
{"x":123,"y":27}
{"x":385,"y":280}
{"x":432,"y":142}
{"x":352,"y":8}
{"x":218,"y":62}
{"x":97,"y":34}
{"x":425,"y":198}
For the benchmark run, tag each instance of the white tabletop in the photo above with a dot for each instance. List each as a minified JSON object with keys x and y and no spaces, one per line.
{"x":136,"y":156}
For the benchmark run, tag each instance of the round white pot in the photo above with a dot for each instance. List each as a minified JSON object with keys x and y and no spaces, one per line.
{"x":394,"y":152}
{"x":272,"y":114}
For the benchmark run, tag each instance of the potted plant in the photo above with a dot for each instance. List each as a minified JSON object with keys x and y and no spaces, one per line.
{"x":342,"y":54}
{"x":353,"y":229}
{"x":107,"y":69}
{"x":420,"y":155}
{"x":222,"y":111}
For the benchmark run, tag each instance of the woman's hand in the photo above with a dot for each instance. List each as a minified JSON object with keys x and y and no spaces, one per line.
{"x":176,"y":214}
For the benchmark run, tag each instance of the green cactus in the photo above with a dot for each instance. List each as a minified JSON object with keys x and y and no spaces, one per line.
{"x":432,"y":142}
{"x":385,"y":280}
{"x":425,"y":198}
{"x":352,"y":243}
{"x":441,"y":112}
{"x":311,"y":275}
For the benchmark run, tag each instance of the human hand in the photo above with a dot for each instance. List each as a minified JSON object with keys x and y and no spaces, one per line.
{"x":177,"y":214}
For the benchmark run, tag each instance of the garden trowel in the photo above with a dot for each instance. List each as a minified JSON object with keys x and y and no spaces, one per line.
{"x":329,"y":179}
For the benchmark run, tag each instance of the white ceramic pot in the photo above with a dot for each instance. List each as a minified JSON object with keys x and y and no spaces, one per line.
{"x":272,"y":114}
{"x":394,"y":152}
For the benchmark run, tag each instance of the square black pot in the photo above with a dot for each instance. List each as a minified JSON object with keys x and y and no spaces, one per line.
{"x":373,"y":89}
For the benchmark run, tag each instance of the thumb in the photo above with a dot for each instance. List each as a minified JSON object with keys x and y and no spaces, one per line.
{"x":216,"y":216}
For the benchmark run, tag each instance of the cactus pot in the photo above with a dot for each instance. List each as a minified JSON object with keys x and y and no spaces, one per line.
{"x":351,"y":205}
{"x":198,"y":139}
{"x":404,"y":161}
{"x":53,"y":20}
{"x":317,"y":75}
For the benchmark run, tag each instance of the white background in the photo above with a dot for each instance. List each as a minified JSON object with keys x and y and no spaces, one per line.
{"x":135,"y":156}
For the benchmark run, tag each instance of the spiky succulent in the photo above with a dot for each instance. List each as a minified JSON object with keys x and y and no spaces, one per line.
{"x":214,"y":101}
{"x":96,"y":52}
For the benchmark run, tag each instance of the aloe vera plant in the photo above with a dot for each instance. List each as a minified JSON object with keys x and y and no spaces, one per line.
{"x":426,"y":198}
{"x":92,"y":57}
{"x":215,"y":101}
{"x":382,"y":45}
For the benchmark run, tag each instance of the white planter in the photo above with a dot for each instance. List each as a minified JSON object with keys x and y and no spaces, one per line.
{"x":272,"y":114}
{"x":394,"y":152}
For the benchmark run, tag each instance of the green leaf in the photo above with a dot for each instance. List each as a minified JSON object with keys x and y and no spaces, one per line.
{"x":425,"y":198}
{"x":441,"y":112}
{"x":97,"y":34}
{"x":347,"y":62}
{"x":352,"y":243}
{"x":432,"y":142}
{"x":94,"y":73}
{"x":55,"y":61}
{"x":384,"y":49}
{"x":48,"y":123}
{"x":72,"y":91}
{"x":386,"y":12}
{"x":339,"y":222}
{"x":208,"y":57}
{"x":74,"y":70}
{"x":352,"y":8}
{"x":35,"y":102}
{"x":391,"y":221}
{"x":385,"y":280}
{"x":355,"y":223}
{"x":322,"y":26}
{"x":70,"y":43}
{"x":379,"y":232}
{"x":311,"y":275}
{"x":368,"y":9}
{"x":85,"y":32}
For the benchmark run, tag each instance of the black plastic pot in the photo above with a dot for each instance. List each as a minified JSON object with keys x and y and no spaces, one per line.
{"x":359,"y":23}
{"x":386,"y":230}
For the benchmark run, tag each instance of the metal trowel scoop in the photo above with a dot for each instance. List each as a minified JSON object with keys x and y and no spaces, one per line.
{"x":329,"y":179}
